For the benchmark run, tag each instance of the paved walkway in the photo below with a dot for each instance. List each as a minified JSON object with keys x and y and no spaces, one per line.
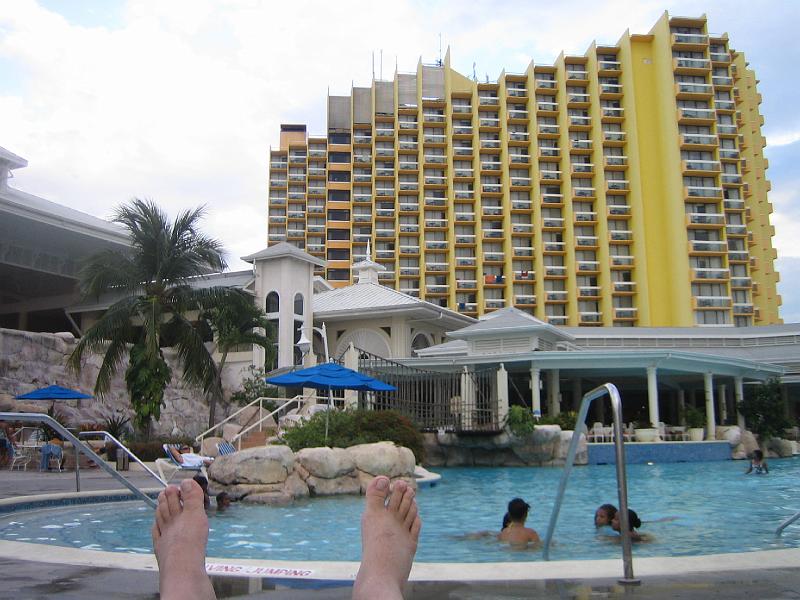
{"x":32,"y":580}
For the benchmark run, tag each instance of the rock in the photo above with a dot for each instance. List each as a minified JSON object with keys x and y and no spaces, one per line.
{"x":747,"y":444}
{"x":269,"y":464}
{"x":382,"y":458}
{"x":242,"y":490}
{"x":272,"y":499}
{"x":780,"y":447}
{"x":730,"y":433}
{"x":347,"y":484}
{"x":582,"y":451}
{"x":455,"y":456}
{"x":327,"y":463}
{"x":296,"y":487}
{"x":209,"y":446}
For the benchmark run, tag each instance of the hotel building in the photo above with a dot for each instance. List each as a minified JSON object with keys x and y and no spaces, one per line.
{"x":623,"y":187}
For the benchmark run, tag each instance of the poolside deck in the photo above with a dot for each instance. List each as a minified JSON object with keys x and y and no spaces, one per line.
{"x":31,"y":579}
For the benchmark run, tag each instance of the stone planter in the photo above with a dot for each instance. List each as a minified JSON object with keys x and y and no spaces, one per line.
{"x":646,"y":434}
{"x":696,"y":434}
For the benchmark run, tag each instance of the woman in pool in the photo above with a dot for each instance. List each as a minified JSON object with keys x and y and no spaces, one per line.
{"x":515,"y":533}
{"x":758,"y":464}
{"x":633,"y":523}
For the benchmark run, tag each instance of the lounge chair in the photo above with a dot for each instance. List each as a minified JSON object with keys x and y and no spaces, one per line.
{"x":174,"y":464}
{"x":21,"y":458}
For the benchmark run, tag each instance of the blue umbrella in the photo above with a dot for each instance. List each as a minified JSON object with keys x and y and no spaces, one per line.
{"x":331,"y":376}
{"x":53,"y":392}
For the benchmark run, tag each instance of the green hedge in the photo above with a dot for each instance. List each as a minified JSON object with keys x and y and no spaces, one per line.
{"x":351,"y":427}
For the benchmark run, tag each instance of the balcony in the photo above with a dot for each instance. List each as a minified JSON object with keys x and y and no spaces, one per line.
{"x":576,"y":99}
{"x":693,"y":191}
{"x":715,"y":246}
{"x":522,"y":228}
{"x":281,"y":165}
{"x":738,"y":256}
{"x":553,"y":199}
{"x":517,"y":114}
{"x":705,"y":219}
{"x":522,"y":251}
{"x":409,"y":271}
{"x":277,"y":183}
{"x":743,"y":308}
{"x":466,"y":261}
{"x":702,"y":166}
{"x":736,"y":230}
{"x":545,"y":84}
{"x":590,"y":317}
{"x":434,"y":138}
{"x":494,"y":257}
{"x":490,"y":166}
{"x":489,"y":122}
{"x":710,"y":273}
{"x":610,"y":90}
{"x":628,"y":313}
{"x":492,"y":188}
{"x":297,"y":159}
{"x":691,"y":91}
{"x":463,"y":150}
{"x":362,"y":139}
{"x":465,"y":238}
{"x":407,"y":145}
{"x":555,"y":271}
{"x":409,"y":228}
{"x":722,"y":81}
{"x":696,"y":115}
{"x":576,"y":75}
{"x":550,"y":175}
{"x":409,"y":249}
{"x":496,"y":234}
{"x":690,"y":140}
{"x":609,"y":65}
{"x":408,"y":125}
{"x":362,"y":158}
{"x":461,"y":217}
{"x":462,"y":130}
{"x":492,"y":211}
{"x":692,"y":66}
{"x":520,"y":159}
{"x":741,"y":282}
{"x":384,"y":192}
{"x":435,"y":180}
{"x":585,"y":216}
{"x":466,"y":285}
{"x":436,"y":288}
{"x":617,"y":185}
{"x":731,"y":179}
{"x":711,"y":301}
{"x":615,"y":161}
{"x":619,"y":210}
{"x":620,"y":235}
{"x":621,"y":260}
{"x":525,"y":299}
{"x":613,"y":137}
{"x":556,"y":319}
{"x":547,"y":106}
{"x":409,"y":207}
{"x":524,"y":276}
{"x":589,"y":291}
{"x":612,"y":114}
{"x":433,"y":223}
{"x":581,"y":144}
{"x":580,"y":121}
{"x":624,"y":287}
{"x":555,"y":295}
{"x":583,"y":192}
{"x":690,"y":41}
{"x":550,"y":247}
{"x":488,"y":101}
{"x":494,"y":303}
{"x":408,"y":166}
{"x":582,"y":167}
{"x":464,"y":194}
{"x":433,"y":118}
{"x":429,"y":201}
{"x":408,"y":186}
{"x":518,"y":136}
{"x":588,"y":266}
{"x":728,"y":154}
{"x":734,"y":204}
{"x":547,"y":151}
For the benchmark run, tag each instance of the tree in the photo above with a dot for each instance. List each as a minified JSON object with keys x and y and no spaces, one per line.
{"x":764,"y":411}
{"x":235,"y":320}
{"x":153,"y":282}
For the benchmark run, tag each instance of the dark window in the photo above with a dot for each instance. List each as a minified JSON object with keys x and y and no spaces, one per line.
{"x":338,"y":138}
{"x":298,"y":304}
{"x":339,"y":157}
{"x":339,"y":195}
{"x":338,"y":274}
{"x":338,"y":254}
{"x":339,"y":176}
{"x":338,"y":215}
{"x":338,"y":234}
{"x":273,"y":302}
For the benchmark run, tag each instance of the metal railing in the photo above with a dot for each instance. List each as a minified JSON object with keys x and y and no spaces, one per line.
{"x":786,"y":523}
{"x":300,"y":400}
{"x":120,"y":446}
{"x":260,"y":401}
{"x":622,"y":485}
{"x":80,"y":448}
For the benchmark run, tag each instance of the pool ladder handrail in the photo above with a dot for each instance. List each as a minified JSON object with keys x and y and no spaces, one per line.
{"x":622,"y":486}
{"x":787,"y":522}
{"x":124,"y":448}
{"x":80,"y":448}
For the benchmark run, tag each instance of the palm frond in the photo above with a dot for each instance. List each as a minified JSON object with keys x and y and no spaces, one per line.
{"x":109,"y":270}
{"x":114,"y":325}
{"x":115,"y":353}
{"x":198,"y":365}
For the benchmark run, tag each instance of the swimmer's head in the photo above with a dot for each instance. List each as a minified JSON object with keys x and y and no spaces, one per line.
{"x":633,"y":521}
{"x":604,"y":514}
{"x":518,"y":510}
{"x":758,"y":455}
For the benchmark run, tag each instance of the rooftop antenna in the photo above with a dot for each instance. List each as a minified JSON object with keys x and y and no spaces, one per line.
{"x":474,"y":74}
{"x":440,"y":62}
{"x":381,"y":64}
{"x":373,"y":65}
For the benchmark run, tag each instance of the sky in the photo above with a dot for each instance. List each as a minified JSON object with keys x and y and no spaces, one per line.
{"x":180,"y":100}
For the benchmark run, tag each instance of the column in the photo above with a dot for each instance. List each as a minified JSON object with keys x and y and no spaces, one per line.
{"x":723,"y":403}
{"x":652,"y":396}
{"x":681,"y":407}
{"x":553,"y":392}
{"x":577,"y":394}
{"x":711,"y":426}
{"x":464,"y":412}
{"x":785,"y":399}
{"x":351,"y":362}
{"x":536,"y":391}
{"x":502,"y":394}
{"x":738,"y":395}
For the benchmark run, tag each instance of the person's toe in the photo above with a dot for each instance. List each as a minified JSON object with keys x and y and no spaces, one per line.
{"x":405,"y":503}
{"x":416,"y":526}
{"x":411,"y":514}
{"x":376,"y":493}
{"x":398,"y":491}
{"x":192,"y":495}
{"x":173,"y":501}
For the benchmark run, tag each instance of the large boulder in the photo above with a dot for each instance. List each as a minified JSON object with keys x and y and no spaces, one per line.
{"x":269,"y":464}
{"x":347,"y":484}
{"x":780,"y":448}
{"x":581,"y":453}
{"x":730,"y":433}
{"x":383,"y":458}
{"x":326,"y":463}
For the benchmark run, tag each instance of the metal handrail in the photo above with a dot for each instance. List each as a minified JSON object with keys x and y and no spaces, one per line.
{"x":787,"y":522}
{"x":124,"y":448}
{"x":199,"y":438}
{"x":622,"y":485}
{"x":79,"y":448}
{"x":238,"y":437}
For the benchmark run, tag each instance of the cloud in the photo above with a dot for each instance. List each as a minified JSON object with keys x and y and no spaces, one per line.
{"x":783,"y":139}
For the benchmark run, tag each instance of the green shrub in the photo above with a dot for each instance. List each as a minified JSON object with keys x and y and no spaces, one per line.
{"x":565,"y":420}
{"x":694,"y":417}
{"x":520,"y":421}
{"x":763,"y":411}
{"x":351,"y":427}
{"x":254,"y":386}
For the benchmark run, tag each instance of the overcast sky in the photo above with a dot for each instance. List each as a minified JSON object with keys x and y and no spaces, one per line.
{"x":180,"y":100}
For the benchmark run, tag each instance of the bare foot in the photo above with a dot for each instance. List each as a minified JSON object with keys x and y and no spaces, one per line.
{"x":389,"y":536}
{"x":180,"y":534}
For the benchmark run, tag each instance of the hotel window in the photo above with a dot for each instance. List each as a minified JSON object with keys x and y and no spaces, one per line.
{"x":339,"y":176}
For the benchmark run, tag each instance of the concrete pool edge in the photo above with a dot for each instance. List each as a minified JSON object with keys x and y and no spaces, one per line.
{"x":346,"y":571}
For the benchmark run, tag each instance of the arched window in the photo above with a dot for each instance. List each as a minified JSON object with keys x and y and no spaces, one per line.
{"x":273,"y":302}
{"x":421,"y":340}
{"x":298,"y":304}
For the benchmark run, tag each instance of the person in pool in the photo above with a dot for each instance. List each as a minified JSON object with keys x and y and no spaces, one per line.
{"x":223,"y":501}
{"x":757,"y":464}
{"x":633,"y":523}
{"x":604,"y":515}
{"x":515,"y":533}
{"x":390,"y":527}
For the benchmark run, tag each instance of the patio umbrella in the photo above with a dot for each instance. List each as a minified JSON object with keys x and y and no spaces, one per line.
{"x":53,"y":392}
{"x":331,"y":376}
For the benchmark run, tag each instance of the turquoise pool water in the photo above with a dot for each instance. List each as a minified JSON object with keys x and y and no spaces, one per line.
{"x":717,"y":508}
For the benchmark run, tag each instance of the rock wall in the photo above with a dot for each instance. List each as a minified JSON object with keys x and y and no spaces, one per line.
{"x":32,"y":360}
{"x":547,"y":446}
{"x":275,"y":475}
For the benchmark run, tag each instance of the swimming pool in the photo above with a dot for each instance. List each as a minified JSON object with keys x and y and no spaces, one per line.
{"x":718,"y":510}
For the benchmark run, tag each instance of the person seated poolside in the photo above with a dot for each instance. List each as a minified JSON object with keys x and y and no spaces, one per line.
{"x":515,"y":533}
{"x":187,"y":458}
{"x":390,"y":527}
{"x":604,"y":515}
{"x":51,"y":449}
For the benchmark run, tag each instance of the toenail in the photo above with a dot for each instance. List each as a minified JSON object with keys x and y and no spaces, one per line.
{"x":382,"y":484}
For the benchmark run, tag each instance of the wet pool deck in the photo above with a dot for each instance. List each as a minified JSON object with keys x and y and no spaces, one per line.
{"x":23,"y":579}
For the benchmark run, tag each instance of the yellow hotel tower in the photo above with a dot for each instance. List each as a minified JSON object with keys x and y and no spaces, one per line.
{"x":624,"y":187}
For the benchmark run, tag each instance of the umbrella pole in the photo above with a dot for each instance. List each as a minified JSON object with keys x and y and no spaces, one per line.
{"x":328,"y":414}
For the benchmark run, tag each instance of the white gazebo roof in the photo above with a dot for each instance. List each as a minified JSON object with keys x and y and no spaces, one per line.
{"x":282,"y":249}
{"x":510,"y":320}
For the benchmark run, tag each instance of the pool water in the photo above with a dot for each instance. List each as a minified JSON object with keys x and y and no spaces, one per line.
{"x":716,"y":509}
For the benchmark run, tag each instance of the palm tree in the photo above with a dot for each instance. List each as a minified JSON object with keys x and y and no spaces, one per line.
{"x":152,"y":279}
{"x":235,"y":321}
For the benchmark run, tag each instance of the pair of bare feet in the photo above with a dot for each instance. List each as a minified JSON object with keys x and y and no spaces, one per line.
{"x":390,"y":527}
